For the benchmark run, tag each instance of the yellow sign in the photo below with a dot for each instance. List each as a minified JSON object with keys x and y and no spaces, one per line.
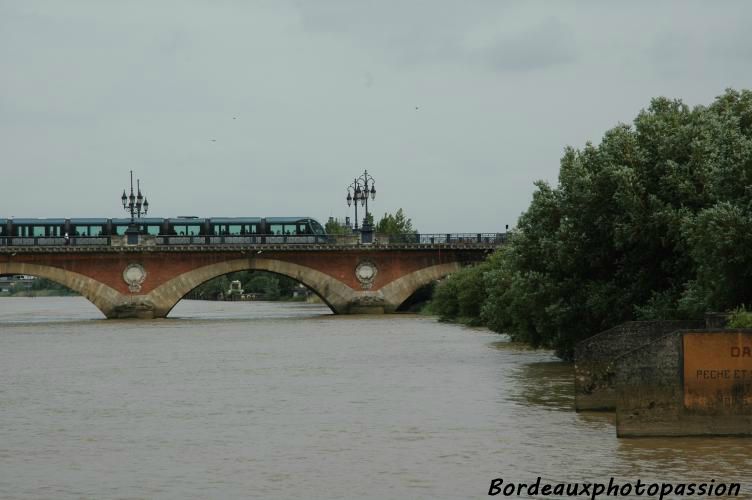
{"x":718,"y":371}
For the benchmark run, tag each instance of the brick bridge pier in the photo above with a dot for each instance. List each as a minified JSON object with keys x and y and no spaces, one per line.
{"x":147,"y":281}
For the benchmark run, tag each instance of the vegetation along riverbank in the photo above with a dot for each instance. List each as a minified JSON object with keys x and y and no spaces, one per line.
{"x":652,"y":223}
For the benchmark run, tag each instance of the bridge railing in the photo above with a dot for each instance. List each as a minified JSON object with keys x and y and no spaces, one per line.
{"x":469,"y":239}
{"x":54,"y":241}
{"x":254,"y":239}
{"x":442,"y":238}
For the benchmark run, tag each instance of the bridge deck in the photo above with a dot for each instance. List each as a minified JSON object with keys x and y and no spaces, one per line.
{"x":243,"y":248}
{"x":251,"y":243}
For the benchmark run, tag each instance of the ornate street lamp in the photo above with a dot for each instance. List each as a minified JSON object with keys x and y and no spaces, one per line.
{"x":366,"y":180}
{"x":136,"y":205}
{"x":135,"y":202}
{"x":354,"y":196}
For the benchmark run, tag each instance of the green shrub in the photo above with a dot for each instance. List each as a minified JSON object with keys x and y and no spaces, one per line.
{"x":740,"y":318}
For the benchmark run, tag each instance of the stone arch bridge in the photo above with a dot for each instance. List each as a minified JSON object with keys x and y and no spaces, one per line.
{"x":147,"y":281}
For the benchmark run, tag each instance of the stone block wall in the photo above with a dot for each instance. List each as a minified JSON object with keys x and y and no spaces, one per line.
{"x":594,"y":365}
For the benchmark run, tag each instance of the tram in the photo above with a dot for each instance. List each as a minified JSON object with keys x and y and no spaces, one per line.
{"x":179,"y":230}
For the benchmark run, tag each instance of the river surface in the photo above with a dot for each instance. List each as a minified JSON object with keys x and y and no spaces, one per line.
{"x":264,"y":400}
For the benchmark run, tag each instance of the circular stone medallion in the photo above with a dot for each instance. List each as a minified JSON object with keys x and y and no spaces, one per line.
{"x":366,"y":272}
{"x":134,"y":275}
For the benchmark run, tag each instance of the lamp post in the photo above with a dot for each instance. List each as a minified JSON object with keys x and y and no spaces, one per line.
{"x":134,"y":205}
{"x":355,"y":196}
{"x":367,"y":180}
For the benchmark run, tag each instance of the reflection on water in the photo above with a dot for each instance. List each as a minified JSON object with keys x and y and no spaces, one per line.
{"x":545,"y":384}
{"x":263,"y":400}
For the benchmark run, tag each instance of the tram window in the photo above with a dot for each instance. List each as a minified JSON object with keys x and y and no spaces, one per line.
{"x":153,"y":230}
{"x":282,"y":229}
{"x":248,"y":229}
{"x":120,"y":230}
{"x":88,"y":230}
{"x":186,"y":230}
{"x":234,"y":229}
{"x":302,"y":229}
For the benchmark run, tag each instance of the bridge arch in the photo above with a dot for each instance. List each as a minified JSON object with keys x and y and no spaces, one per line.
{"x":105,"y":298}
{"x":334,"y":293}
{"x":399,"y":290}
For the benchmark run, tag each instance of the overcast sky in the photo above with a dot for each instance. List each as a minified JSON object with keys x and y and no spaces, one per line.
{"x":228,"y":108}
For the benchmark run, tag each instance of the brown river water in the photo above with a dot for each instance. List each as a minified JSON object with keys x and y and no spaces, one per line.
{"x":273,"y":400}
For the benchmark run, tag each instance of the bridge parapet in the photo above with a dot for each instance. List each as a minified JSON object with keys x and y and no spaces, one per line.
{"x":253,"y":242}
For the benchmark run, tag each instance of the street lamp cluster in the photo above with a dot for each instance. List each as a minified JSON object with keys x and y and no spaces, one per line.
{"x":359,"y":191}
{"x":134,"y":203}
{"x":137,"y":205}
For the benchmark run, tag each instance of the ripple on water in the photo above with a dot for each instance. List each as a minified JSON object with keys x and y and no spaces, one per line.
{"x":239,"y":400}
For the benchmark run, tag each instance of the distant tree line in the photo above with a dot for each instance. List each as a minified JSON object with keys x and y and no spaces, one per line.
{"x":655,"y":222}
{"x":268,"y":285}
{"x":40,"y":287}
{"x":397,"y":223}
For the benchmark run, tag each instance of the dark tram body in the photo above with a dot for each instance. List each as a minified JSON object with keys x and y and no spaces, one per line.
{"x":175,"y":231}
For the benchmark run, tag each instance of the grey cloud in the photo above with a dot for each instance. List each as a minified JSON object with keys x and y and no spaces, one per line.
{"x":414,"y":33}
{"x":541,"y":46}
{"x":428,"y":32}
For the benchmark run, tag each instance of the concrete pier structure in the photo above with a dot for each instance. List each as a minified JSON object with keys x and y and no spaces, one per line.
{"x":686,"y":383}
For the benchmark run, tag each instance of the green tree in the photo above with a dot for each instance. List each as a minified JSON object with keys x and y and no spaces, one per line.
{"x":264,"y":283}
{"x":653,"y":222}
{"x":461,"y":295}
{"x":368,"y":219}
{"x":398,"y":223}
{"x":272,"y":286}
{"x":334,"y":226}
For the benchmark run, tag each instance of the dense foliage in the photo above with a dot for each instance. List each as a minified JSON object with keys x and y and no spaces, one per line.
{"x":334,"y":226}
{"x":740,"y":318}
{"x":398,"y":223}
{"x":652,"y":223}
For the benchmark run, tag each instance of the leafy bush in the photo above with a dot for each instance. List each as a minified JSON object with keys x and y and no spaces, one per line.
{"x":740,"y":318}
